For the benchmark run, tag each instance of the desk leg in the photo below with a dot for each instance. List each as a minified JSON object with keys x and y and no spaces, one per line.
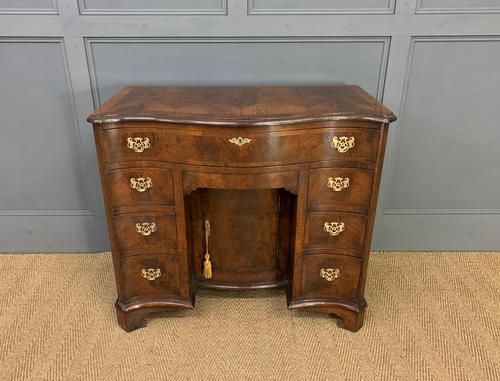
{"x":350,"y":315}
{"x":350,"y":320}
{"x":133,"y":316}
{"x":131,"y":320}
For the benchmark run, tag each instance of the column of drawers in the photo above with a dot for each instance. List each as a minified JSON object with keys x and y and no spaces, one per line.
{"x":338,"y":205}
{"x":143,"y":211}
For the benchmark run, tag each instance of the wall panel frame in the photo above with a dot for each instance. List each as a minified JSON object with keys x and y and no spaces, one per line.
{"x":88,"y":9}
{"x":474,"y":6}
{"x":384,"y":42}
{"x":17,"y":9}
{"x":404,"y":108}
{"x":280,"y":7}
{"x":74,"y":126}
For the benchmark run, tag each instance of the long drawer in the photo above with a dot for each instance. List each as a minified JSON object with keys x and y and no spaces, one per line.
{"x":242,"y":148}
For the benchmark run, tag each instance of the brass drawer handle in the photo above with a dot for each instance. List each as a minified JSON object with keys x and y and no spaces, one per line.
{"x":343,"y":143}
{"x":338,"y":183}
{"x":138,"y":144}
{"x":329,"y":274}
{"x":239,"y":141}
{"x":146,"y":228}
{"x":334,"y":228}
{"x":151,"y":274}
{"x":141,"y":184}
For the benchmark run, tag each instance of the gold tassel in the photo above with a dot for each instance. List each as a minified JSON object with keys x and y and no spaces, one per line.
{"x":207,"y":267}
{"x":207,"y":264}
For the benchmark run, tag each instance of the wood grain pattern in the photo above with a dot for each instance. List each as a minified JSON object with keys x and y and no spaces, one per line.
{"x":242,"y":221}
{"x":131,"y":242}
{"x":160,"y":193}
{"x":199,"y":145}
{"x":257,"y":162}
{"x":137,"y":286}
{"x":342,"y":288}
{"x":357,"y":194}
{"x":348,"y":242}
{"x":241,"y":105}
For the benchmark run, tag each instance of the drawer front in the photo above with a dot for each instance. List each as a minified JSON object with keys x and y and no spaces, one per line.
{"x":332,"y":276}
{"x":140,"y":186}
{"x":332,"y":187}
{"x":236,"y":147}
{"x":338,"y":232}
{"x":150,"y":232}
{"x":151,"y":276}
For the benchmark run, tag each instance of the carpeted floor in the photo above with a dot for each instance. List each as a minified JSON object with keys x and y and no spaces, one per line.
{"x":431,"y":316}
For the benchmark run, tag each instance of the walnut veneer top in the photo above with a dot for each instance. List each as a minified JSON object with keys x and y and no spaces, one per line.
{"x":241,"y":105}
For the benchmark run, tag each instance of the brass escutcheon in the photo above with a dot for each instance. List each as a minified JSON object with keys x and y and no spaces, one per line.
{"x":239,"y":141}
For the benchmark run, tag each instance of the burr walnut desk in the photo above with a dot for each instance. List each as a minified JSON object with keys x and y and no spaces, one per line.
{"x":241,"y":187}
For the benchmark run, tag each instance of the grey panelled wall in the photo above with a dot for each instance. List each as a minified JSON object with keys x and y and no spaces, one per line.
{"x":42,"y":170}
{"x":435,"y":63}
{"x":337,"y":60}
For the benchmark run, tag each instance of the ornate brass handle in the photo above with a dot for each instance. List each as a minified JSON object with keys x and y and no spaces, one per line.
{"x":138,"y":144}
{"x":329,"y":274}
{"x":343,"y":143}
{"x":141,"y":184}
{"x":338,"y":183}
{"x":146,"y":228}
{"x":334,"y":228}
{"x":239,"y":141}
{"x":151,"y":274}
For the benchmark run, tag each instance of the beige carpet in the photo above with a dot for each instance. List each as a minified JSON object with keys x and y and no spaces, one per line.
{"x":431,"y":316}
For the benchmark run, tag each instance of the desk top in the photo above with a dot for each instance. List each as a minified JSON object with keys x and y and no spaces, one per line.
{"x":241,"y":105}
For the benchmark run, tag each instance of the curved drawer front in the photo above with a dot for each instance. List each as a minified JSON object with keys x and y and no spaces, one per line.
{"x":336,"y":232}
{"x":149,"y":232}
{"x":150,"y":276}
{"x":236,"y":147}
{"x":140,"y":186}
{"x":331,"y":276}
{"x":332,"y":187}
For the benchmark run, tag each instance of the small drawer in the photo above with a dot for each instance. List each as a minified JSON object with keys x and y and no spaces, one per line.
{"x":151,"y":276}
{"x":239,"y":146}
{"x":336,"y":187}
{"x":333,"y":276}
{"x":339,"y":232}
{"x":140,"y":186}
{"x":149,"y":232}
